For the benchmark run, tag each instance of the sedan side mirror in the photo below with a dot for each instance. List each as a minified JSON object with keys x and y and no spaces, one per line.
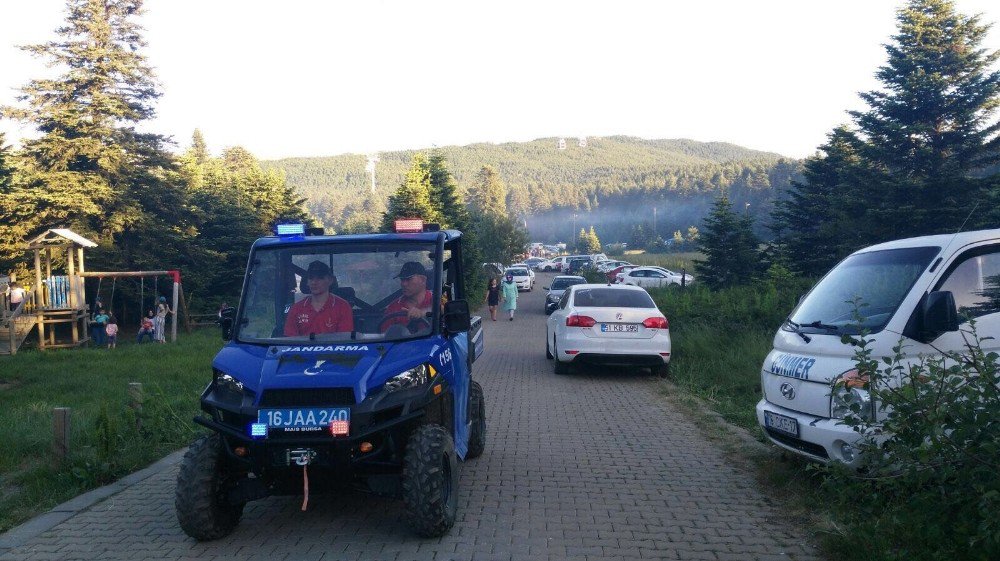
{"x":456,"y":316}
{"x":545,"y":288}
{"x":551,"y":307}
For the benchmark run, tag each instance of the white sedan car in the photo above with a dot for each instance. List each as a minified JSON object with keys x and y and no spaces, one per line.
{"x":523,"y":277}
{"x":607,"y":324}
{"x":653,"y":277}
{"x":605,"y":266}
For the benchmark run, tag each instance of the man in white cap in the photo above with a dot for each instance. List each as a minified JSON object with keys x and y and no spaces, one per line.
{"x":321,"y":311}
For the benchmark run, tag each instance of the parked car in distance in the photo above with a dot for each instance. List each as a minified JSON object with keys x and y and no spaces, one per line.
{"x":578,"y":264}
{"x":605,"y":266}
{"x":602,"y":324}
{"x":523,"y":277}
{"x":614,"y":274}
{"x":559,"y":285}
{"x":550,"y":265}
{"x":533,"y":262}
{"x":654,"y":277}
{"x":526,"y":266}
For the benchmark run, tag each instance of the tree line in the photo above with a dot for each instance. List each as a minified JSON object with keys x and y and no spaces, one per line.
{"x":921,"y":158}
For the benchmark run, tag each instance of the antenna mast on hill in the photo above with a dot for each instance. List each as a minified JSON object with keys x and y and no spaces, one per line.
{"x":370,"y":168}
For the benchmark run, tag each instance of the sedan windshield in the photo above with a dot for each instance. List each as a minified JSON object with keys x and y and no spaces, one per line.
{"x":562,"y":284}
{"x":518,"y":272}
{"x":862,"y":292}
{"x":339,"y":292}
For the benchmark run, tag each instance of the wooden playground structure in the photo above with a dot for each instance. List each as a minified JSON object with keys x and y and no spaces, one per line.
{"x":53,"y":302}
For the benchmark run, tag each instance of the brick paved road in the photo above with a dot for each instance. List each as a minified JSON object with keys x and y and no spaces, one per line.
{"x":589,"y":466}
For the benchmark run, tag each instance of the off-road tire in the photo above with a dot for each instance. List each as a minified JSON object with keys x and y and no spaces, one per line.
{"x":203,"y":509}
{"x":662,"y":371}
{"x":430,"y":481}
{"x":477,"y":416}
{"x":560,"y":368}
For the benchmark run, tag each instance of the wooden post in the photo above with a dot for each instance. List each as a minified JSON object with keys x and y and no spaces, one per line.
{"x":60,"y":433}
{"x":173,"y":323}
{"x":187,"y":314}
{"x":135,"y":402}
{"x":39,"y":301}
{"x":73,"y":282}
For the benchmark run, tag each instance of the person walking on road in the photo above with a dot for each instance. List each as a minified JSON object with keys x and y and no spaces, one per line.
{"x":508,"y":290}
{"x":493,"y":297}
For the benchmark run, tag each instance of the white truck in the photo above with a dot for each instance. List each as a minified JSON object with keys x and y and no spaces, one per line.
{"x":920,"y":292}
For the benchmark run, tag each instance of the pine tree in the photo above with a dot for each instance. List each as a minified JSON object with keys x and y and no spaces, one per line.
{"x":199,"y":149}
{"x":413,"y":197}
{"x":593,"y":242}
{"x":582,"y":241}
{"x":730,"y":247}
{"x":444,"y":194}
{"x":488,"y":195}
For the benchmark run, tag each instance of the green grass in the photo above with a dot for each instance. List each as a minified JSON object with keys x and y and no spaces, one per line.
{"x":672,"y":261}
{"x":105,"y":443}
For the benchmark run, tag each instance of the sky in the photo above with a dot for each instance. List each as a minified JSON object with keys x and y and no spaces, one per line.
{"x":320,"y":78}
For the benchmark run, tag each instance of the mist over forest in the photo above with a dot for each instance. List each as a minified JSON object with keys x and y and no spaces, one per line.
{"x":611,"y":183}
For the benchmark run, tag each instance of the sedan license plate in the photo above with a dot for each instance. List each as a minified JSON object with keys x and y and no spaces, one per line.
{"x":619,"y":328}
{"x":781,"y":423}
{"x":313,"y":419}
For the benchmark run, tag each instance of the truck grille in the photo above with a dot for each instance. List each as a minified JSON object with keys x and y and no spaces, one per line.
{"x":307,"y":397}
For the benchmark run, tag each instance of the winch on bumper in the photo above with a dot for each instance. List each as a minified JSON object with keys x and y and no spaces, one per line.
{"x":373,"y":445}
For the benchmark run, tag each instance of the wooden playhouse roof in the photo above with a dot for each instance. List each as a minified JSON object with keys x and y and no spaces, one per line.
{"x":58,"y":236}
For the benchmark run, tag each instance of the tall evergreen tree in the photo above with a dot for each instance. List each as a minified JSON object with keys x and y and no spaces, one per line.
{"x":413,"y":197}
{"x":730,"y":247}
{"x":593,"y":242}
{"x":444,"y":193}
{"x":199,"y":148}
{"x":915,"y":160}
{"x":488,"y":195}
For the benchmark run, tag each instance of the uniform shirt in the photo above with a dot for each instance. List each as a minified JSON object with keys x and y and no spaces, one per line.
{"x":401,"y":305}
{"x":334,"y":317}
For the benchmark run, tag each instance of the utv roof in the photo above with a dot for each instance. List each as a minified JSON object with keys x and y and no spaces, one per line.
{"x":275,"y":241}
{"x":953,"y":241}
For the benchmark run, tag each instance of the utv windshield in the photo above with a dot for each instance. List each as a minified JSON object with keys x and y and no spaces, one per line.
{"x":862,"y":292}
{"x":340,"y":292}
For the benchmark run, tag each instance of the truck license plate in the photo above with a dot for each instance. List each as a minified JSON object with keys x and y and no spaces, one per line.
{"x":619,"y":327}
{"x":781,"y":423}
{"x":317,"y":419}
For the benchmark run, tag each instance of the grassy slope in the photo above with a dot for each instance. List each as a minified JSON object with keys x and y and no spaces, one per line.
{"x":104,"y":442}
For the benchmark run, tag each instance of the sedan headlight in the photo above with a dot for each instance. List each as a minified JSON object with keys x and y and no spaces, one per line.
{"x":411,"y":378}
{"x":849,"y":396}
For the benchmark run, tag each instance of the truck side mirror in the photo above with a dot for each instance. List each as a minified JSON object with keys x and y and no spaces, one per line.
{"x":226,"y":316}
{"x":456,"y":316}
{"x":939,"y":314}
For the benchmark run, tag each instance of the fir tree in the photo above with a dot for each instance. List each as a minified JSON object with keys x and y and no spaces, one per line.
{"x":593,"y":242}
{"x":730,"y":247}
{"x":444,"y":194}
{"x":199,"y":149}
{"x":413,"y":198}
{"x":489,"y":195}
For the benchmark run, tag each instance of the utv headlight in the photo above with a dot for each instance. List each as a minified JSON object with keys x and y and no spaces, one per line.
{"x":411,"y":378}
{"x":228,"y":388}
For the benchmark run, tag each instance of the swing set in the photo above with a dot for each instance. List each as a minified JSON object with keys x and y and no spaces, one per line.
{"x":61,"y":300}
{"x":178,"y":292}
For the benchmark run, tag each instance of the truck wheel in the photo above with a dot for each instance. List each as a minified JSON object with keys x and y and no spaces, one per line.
{"x":203,"y":509}
{"x":477,"y":414}
{"x":430,"y":481}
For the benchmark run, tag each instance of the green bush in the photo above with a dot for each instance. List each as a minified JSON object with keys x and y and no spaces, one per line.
{"x":930,"y":483}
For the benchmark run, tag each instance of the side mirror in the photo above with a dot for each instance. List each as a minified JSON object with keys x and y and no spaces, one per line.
{"x":939,"y":314}
{"x":226,"y":316}
{"x":551,"y":307}
{"x":456,"y":316}
{"x":545,"y":288}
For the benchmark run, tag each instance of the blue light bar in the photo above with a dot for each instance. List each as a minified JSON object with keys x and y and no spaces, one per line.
{"x":291,"y":230}
{"x":258,"y":430}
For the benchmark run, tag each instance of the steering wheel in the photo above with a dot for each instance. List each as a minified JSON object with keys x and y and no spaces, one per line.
{"x":410,"y":325}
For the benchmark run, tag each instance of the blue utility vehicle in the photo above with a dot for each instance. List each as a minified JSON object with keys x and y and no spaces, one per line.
{"x":347,"y":365}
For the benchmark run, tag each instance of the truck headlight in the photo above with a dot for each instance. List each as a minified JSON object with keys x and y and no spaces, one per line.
{"x":850,"y":396}
{"x":228,"y":388}
{"x":411,"y":378}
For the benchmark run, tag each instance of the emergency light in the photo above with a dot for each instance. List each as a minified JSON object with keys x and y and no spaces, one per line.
{"x":290,"y":230}
{"x":258,"y":430}
{"x":408,"y":225}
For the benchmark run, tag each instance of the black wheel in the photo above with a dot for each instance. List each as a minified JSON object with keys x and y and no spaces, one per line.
{"x":662,"y":371}
{"x":548,"y":353}
{"x":560,"y":367}
{"x":477,"y":416}
{"x":430,"y":481}
{"x":201,"y":501}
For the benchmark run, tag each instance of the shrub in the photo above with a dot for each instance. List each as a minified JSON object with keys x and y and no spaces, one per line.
{"x":930,"y":484}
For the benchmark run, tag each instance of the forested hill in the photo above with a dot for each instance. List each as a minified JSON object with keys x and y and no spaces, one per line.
{"x":610,"y":183}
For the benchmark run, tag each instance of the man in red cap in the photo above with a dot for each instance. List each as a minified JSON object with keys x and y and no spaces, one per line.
{"x":415,"y":302}
{"x":320,"y":312}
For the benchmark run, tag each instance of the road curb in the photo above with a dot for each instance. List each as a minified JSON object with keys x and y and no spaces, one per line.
{"x":18,"y":535}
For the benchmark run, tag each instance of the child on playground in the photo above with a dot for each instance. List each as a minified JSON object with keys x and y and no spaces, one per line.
{"x":146,"y":327}
{"x":112,"y":331}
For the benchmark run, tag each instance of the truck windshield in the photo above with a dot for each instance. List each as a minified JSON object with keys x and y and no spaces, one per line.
{"x":340,"y":292}
{"x":871,"y":285}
